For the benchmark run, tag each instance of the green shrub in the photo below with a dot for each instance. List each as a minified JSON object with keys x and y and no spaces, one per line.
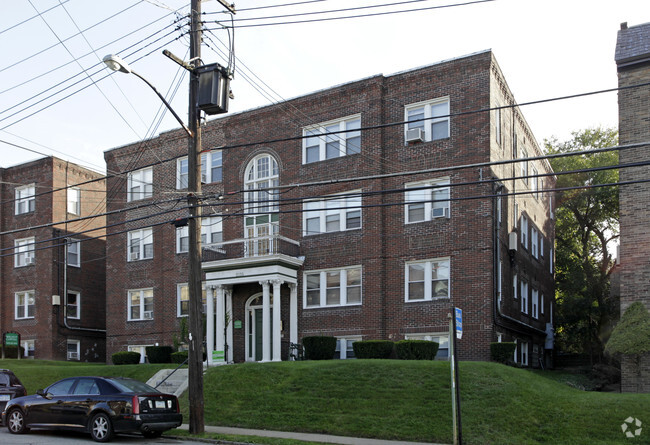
{"x":179,"y":357}
{"x":502,"y":352}
{"x":126,"y":358}
{"x":373,"y":348}
{"x":416,"y":349}
{"x":10,"y":352}
{"x":159,"y":354}
{"x":319,"y":348}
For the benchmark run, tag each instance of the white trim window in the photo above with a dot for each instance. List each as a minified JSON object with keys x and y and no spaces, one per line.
{"x":333,"y":287}
{"x":534,"y":239}
{"x":534,"y":181}
{"x":140,"y":244}
{"x":541,"y":304}
{"x":183,"y":299}
{"x":140,"y":184}
{"x":426,"y":200}
{"x":25,"y":199}
{"x":261,"y":181}
{"x":73,"y":308}
{"x":524,"y":231}
{"x":140,"y":304}
{"x":344,"y":349}
{"x":534,"y":303}
{"x":524,"y":166}
{"x":74,"y":200}
{"x":25,"y":304}
{"x":524,"y":297}
{"x":74,"y":349}
{"x":430,"y":117}
{"x":140,"y":349}
{"x":74,"y":253}
{"x":524,"y":353}
{"x":440,"y":338}
{"x":211,"y":233}
{"x":334,"y":213}
{"x":497,"y":124}
{"x":211,"y":169}
{"x":29,"y":346}
{"x":515,"y":288}
{"x":427,"y":280}
{"x":24,"y":252}
{"x":345,"y":140}
{"x":541,"y":246}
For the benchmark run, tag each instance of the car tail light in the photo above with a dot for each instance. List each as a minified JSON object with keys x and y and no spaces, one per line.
{"x":178,"y":407}
{"x":136,"y":405}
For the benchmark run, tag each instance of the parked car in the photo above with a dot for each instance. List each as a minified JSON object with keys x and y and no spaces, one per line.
{"x":10,"y":387}
{"x":101,"y":406}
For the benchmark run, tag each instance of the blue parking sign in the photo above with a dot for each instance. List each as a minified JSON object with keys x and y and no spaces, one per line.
{"x":459,"y":322}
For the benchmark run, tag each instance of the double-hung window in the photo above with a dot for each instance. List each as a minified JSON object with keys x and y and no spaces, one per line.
{"x":534,"y":296}
{"x":211,"y":233}
{"x":534,"y":181}
{"x":74,"y":201}
{"x":211,"y":169}
{"x":344,"y":349}
{"x":441,"y":339}
{"x":73,"y":347}
{"x":426,"y":200}
{"x":333,"y":213}
{"x":534,"y":239}
{"x":140,"y":304}
{"x":431,"y":118}
{"x":331,"y":140}
{"x":524,"y":297}
{"x":334,"y":287}
{"x":524,"y":231}
{"x":140,"y":184}
{"x":73,"y":305}
{"x":427,"y":280}
{"x":24,"y":252}
{"x":183,"y":299}
{"x":25,"y":199}
{"x":140,"y":244}
{"x":524,"y":165}
{"x":74,"y":253}
{"x":24,"y":305}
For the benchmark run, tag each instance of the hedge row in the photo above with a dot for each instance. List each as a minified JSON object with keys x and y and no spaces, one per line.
{"x":323,"y":348}
{"x":155,"y":354}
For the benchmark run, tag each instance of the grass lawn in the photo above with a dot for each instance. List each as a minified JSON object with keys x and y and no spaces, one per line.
{"x":387,"y":399}
{"x":410,"y":400}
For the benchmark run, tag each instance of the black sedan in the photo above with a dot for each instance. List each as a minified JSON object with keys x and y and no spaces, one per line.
{"x":10,"y":387}
{"x":101,"y":406}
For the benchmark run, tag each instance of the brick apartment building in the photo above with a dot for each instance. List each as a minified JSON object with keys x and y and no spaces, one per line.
{"x":54,"y":299}
{"x":372,"y":232}
{"x":633,"y":65}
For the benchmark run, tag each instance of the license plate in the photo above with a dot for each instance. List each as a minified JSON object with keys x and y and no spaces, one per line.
{"x":161,"y":404}
{"x":5,"y":397}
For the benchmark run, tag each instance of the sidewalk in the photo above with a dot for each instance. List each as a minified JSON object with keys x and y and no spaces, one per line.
{"x":308,"y":437}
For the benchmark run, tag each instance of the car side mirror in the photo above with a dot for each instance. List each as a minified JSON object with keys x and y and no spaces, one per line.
{"x":43,"y":394}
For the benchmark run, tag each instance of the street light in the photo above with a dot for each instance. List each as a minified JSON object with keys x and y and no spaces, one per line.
{"x":116,"y":63}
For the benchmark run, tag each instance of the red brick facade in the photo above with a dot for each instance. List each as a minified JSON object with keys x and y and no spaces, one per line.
{"x":471,"y":236}
{"x":42,"y":325}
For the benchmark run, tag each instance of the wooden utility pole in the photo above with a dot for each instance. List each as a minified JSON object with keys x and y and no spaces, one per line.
{"x":195,"y":382}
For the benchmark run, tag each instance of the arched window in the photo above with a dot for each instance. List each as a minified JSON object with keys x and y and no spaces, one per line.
{"x":261,"y":205}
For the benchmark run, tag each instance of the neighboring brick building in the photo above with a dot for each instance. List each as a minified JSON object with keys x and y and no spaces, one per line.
{"x":633,"y":64}
{"x":374,"y":233}
{"x":36,"y":203}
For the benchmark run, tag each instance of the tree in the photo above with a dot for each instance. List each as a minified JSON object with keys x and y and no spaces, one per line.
{"x":586,"y":229}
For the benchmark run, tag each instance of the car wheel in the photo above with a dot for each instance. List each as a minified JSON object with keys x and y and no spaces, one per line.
{"x":101,"y":429}
{"x":152,"y":434}
{"x":16,"y":422}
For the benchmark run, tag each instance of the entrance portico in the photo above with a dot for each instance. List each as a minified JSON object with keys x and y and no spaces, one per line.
{"x":262,"y":308}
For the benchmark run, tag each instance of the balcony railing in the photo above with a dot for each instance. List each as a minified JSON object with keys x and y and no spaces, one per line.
{"x":251,"y":247}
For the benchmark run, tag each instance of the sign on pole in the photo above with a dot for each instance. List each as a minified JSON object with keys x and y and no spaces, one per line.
{"x":459,"y":322}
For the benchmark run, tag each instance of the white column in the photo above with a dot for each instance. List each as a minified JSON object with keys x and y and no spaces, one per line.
{"x":221,"y":301}
{"x":209,"y":325}
{"x":277,"y":323}
{"x":293,"y":313}
{"x":229,"y":336}
{"x":266,"y":321}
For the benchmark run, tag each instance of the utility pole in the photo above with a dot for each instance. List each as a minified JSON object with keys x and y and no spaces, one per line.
{"x":195,"y":381}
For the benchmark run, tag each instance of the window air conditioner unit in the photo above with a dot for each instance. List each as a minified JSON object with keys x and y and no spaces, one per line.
{"x":73,"y":356}
{"x":135,"y":256}
{"x":512,"y":241}
{"x":440,"y":212}
{"x":29,"y":261}
{"x":148,"y":315}
{"x":415,"y":135}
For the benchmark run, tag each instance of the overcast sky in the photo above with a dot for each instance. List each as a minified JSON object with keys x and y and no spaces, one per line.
{"x":56,"y":97}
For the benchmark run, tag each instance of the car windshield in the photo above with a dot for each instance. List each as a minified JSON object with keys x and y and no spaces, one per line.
{"x":4,"y":380}
{"x":130,"y":385}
